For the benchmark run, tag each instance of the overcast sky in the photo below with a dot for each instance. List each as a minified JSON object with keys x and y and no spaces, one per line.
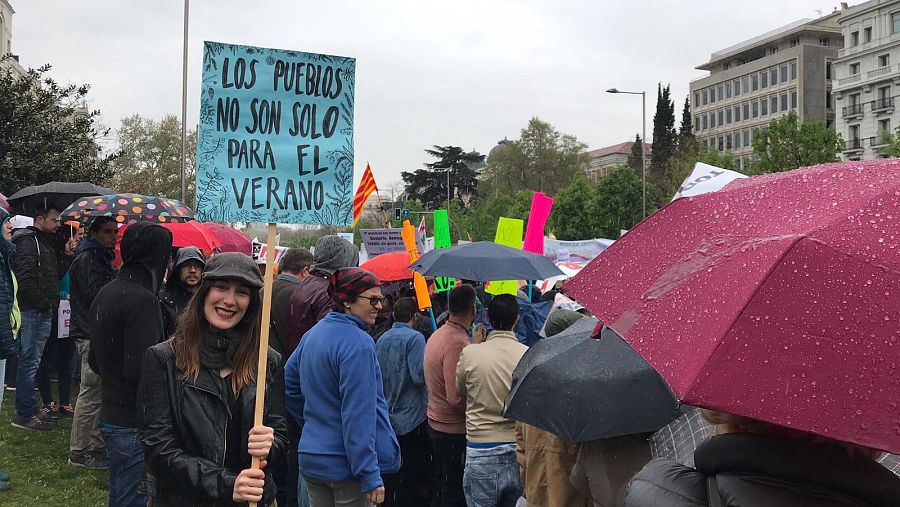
{"x":465,"y":72}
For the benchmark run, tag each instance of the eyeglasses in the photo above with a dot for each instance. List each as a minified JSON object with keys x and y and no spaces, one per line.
{"x":375,"y":300}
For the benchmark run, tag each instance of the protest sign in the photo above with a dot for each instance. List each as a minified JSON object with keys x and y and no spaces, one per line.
{"x":509,"y":233}
{"x":275,"y":141}
{"x":442,"y":240}
{"x":706,"y":178}
{"x":575,"y":251}
{"x":537,"y":221}
{"x":382,"y":241}
{"x":408,"y":234}
{"x":64,"y":318}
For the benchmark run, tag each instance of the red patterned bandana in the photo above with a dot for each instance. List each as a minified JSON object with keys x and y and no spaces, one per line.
{"x":349,"y":282}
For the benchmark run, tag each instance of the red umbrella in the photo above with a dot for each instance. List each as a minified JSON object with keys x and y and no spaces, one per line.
{"x":390,"y":267}
{"x":232,"y":239}
{"x":193,"y":233}
{"x":777,"y":298}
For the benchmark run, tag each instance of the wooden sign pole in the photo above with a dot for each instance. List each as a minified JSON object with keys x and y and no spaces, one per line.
{"x":264,"y":337}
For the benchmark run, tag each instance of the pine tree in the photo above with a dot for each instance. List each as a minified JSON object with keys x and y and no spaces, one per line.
{"x":636,"y":160}
{"x":665,"y":139}
{"x":687,"y":143}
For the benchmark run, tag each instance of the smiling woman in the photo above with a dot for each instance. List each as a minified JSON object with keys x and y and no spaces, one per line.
{"x":198,"y":392}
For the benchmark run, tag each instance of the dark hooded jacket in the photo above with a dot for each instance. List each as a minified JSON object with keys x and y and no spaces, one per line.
{"x":7,"y":295}
{"x":125,"y":320}
{"x":175,"y":296}
{"x":762,"y":470}
{"x":91,"y":270}
{"x":36,"y":272}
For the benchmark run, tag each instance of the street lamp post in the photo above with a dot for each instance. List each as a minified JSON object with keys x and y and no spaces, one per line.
{"x":184,"y":63}
{"x":643,"y":142}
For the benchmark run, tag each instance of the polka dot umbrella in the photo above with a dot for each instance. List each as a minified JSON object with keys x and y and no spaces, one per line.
{"x":128,"y":209}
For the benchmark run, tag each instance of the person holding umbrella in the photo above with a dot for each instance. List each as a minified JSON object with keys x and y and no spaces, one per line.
{"x":35,"y":268}
{"x":751,"y":462}
{"x":197,"y":396}
{"x":334,"y":388}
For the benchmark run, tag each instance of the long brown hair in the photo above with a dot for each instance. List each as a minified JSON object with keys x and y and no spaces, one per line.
{"x":192,"y":325}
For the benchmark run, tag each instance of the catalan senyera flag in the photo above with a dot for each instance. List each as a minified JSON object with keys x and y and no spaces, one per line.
{"x":366,"y":187}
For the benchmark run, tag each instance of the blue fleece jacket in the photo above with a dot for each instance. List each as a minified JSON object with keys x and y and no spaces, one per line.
{"x":333,"y":387}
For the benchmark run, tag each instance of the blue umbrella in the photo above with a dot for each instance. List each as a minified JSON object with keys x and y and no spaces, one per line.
{"x":485,"y":261}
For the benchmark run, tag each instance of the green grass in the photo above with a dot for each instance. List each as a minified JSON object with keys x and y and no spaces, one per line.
{"x":38,"y":464}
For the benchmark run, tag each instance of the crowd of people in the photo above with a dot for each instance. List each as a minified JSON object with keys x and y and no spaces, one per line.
{"x":366,"y":404}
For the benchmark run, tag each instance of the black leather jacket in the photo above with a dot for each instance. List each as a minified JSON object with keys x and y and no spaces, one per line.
{"x":182,"y":426}
{"x":751,"y":470}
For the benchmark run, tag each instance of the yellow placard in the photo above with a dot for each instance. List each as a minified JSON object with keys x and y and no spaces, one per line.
{"x":509,"y":233}
{"x":409,"y":240}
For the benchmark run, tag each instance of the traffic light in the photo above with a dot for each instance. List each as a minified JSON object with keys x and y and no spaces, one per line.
{"x":397,"y":214}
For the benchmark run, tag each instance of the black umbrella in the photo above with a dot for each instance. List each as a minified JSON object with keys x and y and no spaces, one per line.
{"x":585,"y":389}
{"x":54,"y":194}
{"x":485,"y":261}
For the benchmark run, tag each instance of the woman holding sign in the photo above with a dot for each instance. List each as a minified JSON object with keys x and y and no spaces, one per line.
{"x":197,"y":395}
{"x":334,"y":389}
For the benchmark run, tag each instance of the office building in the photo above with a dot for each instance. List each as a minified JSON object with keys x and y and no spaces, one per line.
{"x":757,"y":81}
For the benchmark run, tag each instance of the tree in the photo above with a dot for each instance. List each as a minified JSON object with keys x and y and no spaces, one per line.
{"x":665,"y":140}
{"x":46,"y":133}
{"x":542,"y":160}
{"x":891,"y":142}
{"x":429,"y":185}
{"x":636,"y":159}
{"x":687,"y":143}
{"x":573,"y":215}
{"x":618,"y":203}
{"x":788,"y":144}
{"x":150,"y":161}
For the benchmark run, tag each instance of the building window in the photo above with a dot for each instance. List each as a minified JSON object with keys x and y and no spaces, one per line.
{"x":867,"y":34}
{"x":784,"y":74}
{"x":795,"y":43}
{"x":755,"y":109}
{"x":895,"y":22}
{"x":824,"y":41}
{"x":763,"y":79}
{"x":854,"y":133}
{"x":773,"y":50}
{"x":737,"y":114}
{"x":854,"y":39}
{"x":764,"y":107}
{"x":774,"y":104}
{"x":793,"y":100}
{"x":721,"y":94}
{"x":728,"y":142}
{"x":705,"y":122}
{"x":745,"y":84}
{"x":720,"y":119}
{"x":884,"y":60}
{"x":696,"y":99}
{"x":746,"y":111}
{"x":712,"y":120}
{"x":793,"y":71}
{"x":828,"y":100}
{"x":774,"y":74}
{"x":737,"y":139}
{"x":884,"y":126}
{"x":854,"y":69}
{"x":737,"y":87}
{"x":721,"y":143}
{"x":784,"y":102}
{"x":712,"y":95}
{"x":747,"y":138}
{"x":755,"y":79}
{"x":727,"y":66}
{"x":728,"y":90}
{"x":728,"y":116}
{"x":828,"y":71}
{"x":705,"y":98}
{"x":696,"y":123}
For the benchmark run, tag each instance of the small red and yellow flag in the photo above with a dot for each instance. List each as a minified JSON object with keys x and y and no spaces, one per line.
{"x":366,"y":187}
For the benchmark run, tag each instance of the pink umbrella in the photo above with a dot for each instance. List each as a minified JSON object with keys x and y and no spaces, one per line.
{"x":232,"y":239}
{"x":777,"y":298}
